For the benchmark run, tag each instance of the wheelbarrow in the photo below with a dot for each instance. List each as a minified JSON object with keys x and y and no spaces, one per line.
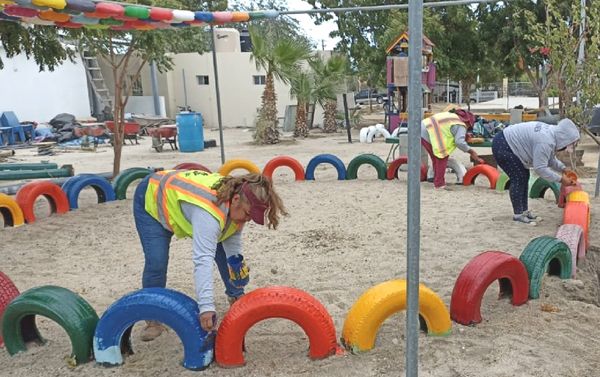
{"x":163,"y":134}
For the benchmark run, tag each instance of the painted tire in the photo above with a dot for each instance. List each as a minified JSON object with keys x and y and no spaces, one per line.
{"x":10,"y":211}
{"x":191,"y":166}
{"x":274,"y":302}
{"x":125,"y":178}
{"x":231,"y":165}
{"x":325,"y":159}
{"x":579,"y":196}
{"x":392,"y":170}
{"x":73,"y":186}
{"x":369,"y":159}
{"x":362,"y":136}
{"x":381,"y":301}
{"x":539,"y":187}
{"x":476,"y":277}
{"x":8,"y":291}
{"x":60,"y":305}
{"x":503,"y":182}
{"x":489,"y":171}
{"x":288,"y":161}
{"x":370,"y":134}
{"x":578,"y":213}
{"x":542,"y":253}
{"x":28,"y":193}
{"x":173,"y":309}
{"x":572,"y":235}
{"x":565,"y":191}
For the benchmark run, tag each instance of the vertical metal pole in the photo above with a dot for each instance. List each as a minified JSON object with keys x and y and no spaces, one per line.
{"x":581,"y":54}
{"x":185,"y":102}
{"x":597,"y":192}
{"x":154,"y":79}
{"x":347,"y":118}
{"x":415,"y":105}
{"x":217,"y":91}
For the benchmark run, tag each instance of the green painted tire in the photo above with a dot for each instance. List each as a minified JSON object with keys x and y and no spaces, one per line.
{"x":370,"y":159}
{"x":503,"y":182}
{"x":124,"y":179}
{"x":60,"y":305}
{"x":543,"y":254}
{"x":539,"y":187}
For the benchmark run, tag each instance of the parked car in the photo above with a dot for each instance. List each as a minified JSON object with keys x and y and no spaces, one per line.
{"x":362,"y":96}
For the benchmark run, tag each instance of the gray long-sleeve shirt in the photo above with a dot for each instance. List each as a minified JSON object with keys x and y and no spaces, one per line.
{"x":459,"y":133}
{"x":206,"y":232}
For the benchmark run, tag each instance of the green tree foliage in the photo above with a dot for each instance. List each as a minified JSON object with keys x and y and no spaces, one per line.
{"x":330,"y":76}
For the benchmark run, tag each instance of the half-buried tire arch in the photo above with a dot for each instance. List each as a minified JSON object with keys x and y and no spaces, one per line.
{"x":69,"y":310}
{"x":478,"y":275}
{"x":488,"y":171}
{"x":10,"y":211}
{"x":126,"y":178}
{"x":543,"y":254}
{"x":274,"y":302}
{"x":325,"y":159}
{"x":540,"y":186}
{"x":392,"y":170}
{"x":578,"y":213}
{"x":288,"y":161}
{"x":174,"y":309}
{"x":191,"y":166}
{"x":572,"y":235}
{"x":233,"y":164}
{"x":28,"y":193}
{"x":381,"y":301}
{"x":73,"y":186}
{"x":8,"y":291}
{"x":369,"y":159}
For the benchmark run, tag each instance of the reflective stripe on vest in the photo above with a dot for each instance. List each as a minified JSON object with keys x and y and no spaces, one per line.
{"x":438,"y":127}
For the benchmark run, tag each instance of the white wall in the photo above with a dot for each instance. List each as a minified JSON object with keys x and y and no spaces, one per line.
{"x":39,"y":96}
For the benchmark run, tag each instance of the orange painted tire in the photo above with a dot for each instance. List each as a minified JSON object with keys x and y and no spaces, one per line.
{"x":290,"y":162}
{"x":578,"y":213}
{"x":231,"y":165}
{"x":392,"y":170}
{"x":28,"y":193}
{"x":10,"y":211}
{"x":274,"y":302}
{"x":489,"y":171}
{"x":192,"y":166}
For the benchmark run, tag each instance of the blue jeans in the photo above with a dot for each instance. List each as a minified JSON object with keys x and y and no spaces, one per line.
{"x":155,"y":244}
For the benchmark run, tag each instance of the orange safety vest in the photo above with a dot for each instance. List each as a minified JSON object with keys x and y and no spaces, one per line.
{"x":438,"y":127}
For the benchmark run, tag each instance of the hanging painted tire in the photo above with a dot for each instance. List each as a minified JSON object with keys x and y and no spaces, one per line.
{"x":565,"y":191}
{"x":543,"y":254}
{"x":381,"y":301}
{"x":539,"y":187}
{"x":233,"y":164}
{"x":8,"y":291}
{"x":10,"y":211}
{"x":125,"y":178}
{"x":578,"y":213}
{"x":476,"y":277}
{"x":171,"y":308}
{"x":191,"y":166}
{"x":274,"y":302}
{"x":62,"y":306}
{"x":392,"y":170}
{"x":369,"y":159}
{"x":28,"y":193}
{"x":579,"y":196}
{"x":482,"y":169}
{"x":503,"y":182}
{"x":572,"y":235}
{"x":325,"y":159}
{"x":73,"y":186}
{"x":288,"y":161}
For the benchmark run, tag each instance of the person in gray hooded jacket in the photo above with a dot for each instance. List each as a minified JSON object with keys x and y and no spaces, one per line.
{"x":533,"y":145}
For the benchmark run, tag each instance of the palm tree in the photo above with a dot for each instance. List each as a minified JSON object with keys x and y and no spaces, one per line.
{"x":302,"y":85}
{"x":280,"y":57}
{"x":329,"y":80}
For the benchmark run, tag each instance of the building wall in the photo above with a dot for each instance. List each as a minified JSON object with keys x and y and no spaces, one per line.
{"x":40,"y":96}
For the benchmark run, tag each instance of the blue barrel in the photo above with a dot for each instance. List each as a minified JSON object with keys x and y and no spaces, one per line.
{"x":190,"y":132}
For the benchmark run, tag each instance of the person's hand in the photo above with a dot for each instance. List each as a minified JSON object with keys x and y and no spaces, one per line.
{"x":565,"y":180}
{"x":208,"y":321}
{"x":475,"y":157}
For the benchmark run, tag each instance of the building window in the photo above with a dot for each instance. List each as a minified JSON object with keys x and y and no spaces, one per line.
{"x":202,"y":80}
{"x":136,"y":86}
{"x":259,"y":79}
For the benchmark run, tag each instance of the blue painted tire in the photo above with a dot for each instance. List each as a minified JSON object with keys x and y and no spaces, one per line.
{"x":169,"y":307}
{"x":73,"y":186}
{"x":325,"y":159}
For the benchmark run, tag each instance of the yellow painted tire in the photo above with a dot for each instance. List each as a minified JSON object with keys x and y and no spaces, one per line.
{"x":10,"y":210}
{"x":381,"y":301}
{"x":579,"y":196}
{"x":231,"y":165}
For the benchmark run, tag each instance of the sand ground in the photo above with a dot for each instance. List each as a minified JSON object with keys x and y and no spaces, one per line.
{"x":341,"y":238}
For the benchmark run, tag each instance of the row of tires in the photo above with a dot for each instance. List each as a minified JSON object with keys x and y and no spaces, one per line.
{"x":108,"y":338}
{"x":522,"y":277}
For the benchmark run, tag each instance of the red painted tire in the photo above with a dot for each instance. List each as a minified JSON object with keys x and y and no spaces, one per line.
{"x":392,"y":171}
{"x":476,"y":277}
{"x":274,"y":302}
{"x":191,"y":166}
{"x":290,"y":162}
{"x":28,"y":193}
{"x":565,"y":191}
{"x":572,"y":235}
{"x":578,"y":213}
{"x":8,"y":291}
{"x":489,"y":171}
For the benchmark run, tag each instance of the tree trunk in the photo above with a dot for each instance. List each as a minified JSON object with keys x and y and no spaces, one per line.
{"x":266,"y":127}
{"x":301,"y":128}
{"x":329,"y":120}
{"x":542,"y":98}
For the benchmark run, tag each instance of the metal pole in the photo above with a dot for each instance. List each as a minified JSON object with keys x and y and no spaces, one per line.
{"x":386,"y":7}
{"x":217,"y":91}
{"x":415,"y":105}
{"x":581,"y":54}
{"x":154,"y":79}
{"x":185,"y":103}
{"x":347,"y":118}
{"x":597,"y":192}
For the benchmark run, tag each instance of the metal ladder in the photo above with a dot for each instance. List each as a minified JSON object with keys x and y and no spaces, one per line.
{"x":96,"y":80}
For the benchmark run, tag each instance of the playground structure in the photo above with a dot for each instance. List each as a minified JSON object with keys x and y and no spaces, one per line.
{"x":107,"y":339}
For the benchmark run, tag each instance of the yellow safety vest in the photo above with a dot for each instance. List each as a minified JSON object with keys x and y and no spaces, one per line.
{"x":166,"y":189}
{"x":438,"y":128}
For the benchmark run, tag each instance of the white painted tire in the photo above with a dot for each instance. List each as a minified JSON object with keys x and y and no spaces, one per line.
{"x":382,"y":132}
{"x":363,"y":134}
{"x":371,"y":134}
